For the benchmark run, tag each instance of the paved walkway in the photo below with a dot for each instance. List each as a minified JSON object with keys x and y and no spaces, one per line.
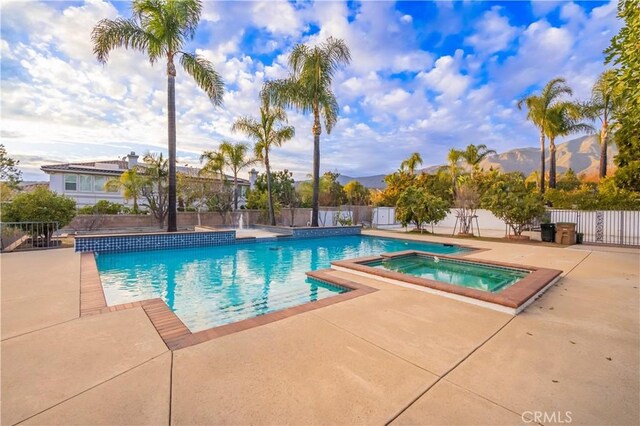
{"x":398,"y":355}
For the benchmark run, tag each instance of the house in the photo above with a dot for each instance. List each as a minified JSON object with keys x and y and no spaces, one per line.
{"x":85,"y":181}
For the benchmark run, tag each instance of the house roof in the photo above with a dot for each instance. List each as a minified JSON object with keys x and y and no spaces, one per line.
{"x":115,"y":168}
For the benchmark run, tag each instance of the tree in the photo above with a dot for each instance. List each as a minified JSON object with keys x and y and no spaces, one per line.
{"x":511,"y":199}
{"x":331,"y":191}
{"x":267,"y":132}
{"x":411,"y":163}
{"x":473,"y":155}
{"x":605,"y":98}
{"x":156,"y":190}
{"x":466,"y":202}
{"x":194,"y":192}
{"x":235,"y":157}
{"x":40,"y":205}
{"x":623,"y":54}
{"x":538,"y":107}
{"x":9,"y":173}
{"x":160,"y":28}
{"x":221,"y":200}
{"x":454,"y":158}
{"x":308,"y":89}
{"x":397,"y":183}
{"x":568,"y":181}
{"x":563,"y":119}
{"x":415,"y":205}
{"x":356,"y":193}
{"x":131,"y":183}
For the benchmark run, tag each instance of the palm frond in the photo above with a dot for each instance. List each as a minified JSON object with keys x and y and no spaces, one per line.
{"x":111,"y":34}
{"x":205,"y":76}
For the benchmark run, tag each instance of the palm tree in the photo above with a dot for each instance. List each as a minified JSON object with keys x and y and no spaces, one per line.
{"x":234,"y":156}
{"x":538,"y":113}
{"x":563,"y":119}
{"x":131,"y":183}
{"x":473,"y":155}
{"x":214,"y":164}
{"x":411,"y":163}
{"x":267,"y":133}
{"x":308,"y":89}
{"x":604,"y":100}
{"x":160,"y":29}
{"x":454,"y":157}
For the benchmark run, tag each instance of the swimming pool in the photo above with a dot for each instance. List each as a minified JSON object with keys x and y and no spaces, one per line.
{"x":212,"y":286}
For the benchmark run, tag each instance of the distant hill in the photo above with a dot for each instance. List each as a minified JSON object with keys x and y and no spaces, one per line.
{"x":581,"y":154}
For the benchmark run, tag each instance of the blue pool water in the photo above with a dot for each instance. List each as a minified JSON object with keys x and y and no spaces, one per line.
{"x":211,"y":286}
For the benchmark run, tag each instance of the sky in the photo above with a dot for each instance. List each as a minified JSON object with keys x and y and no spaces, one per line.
{"x":424,"y":77}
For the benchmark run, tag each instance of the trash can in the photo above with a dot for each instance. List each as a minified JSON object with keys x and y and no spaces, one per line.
{"x":548,"y":232}
{"x":566,"y":233}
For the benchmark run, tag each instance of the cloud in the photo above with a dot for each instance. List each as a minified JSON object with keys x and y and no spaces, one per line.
{"x":493,"y":32}
{"x":440,"y":77}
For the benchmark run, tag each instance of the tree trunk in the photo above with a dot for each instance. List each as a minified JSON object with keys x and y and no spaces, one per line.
{"x":603,"y":150}
{"x":235,"y":190}
{"x":172,"y":223}
{"x":552,"y":163}
{"x":316,"y":166}
{"x":542,"y":165}
{"x":272,"y":214}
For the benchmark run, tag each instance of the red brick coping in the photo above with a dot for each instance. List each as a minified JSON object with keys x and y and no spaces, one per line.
{"x":172,"y":330}
{"x":515,"y":296}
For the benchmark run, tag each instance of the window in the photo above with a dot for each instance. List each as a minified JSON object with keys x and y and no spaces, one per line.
{"x":98,"y":183}
{"x":84,"y":183}
{"x":70,"y":182}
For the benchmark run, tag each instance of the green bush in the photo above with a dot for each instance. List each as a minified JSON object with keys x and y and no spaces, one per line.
{"x":511,"y":199}
{"x":102,"y":207}
{"x":415,"y":205}
{"x":40,"y":205}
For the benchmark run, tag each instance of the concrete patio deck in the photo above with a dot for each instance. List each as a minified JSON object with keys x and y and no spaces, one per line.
{"x":398,"y":355}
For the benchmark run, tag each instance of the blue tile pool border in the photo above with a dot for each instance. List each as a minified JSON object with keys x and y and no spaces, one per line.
{"x":164,"y":240}
{"x":155,"y":241}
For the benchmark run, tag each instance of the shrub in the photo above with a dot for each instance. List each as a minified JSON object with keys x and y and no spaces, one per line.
{"x":40,"y":205}
{"x":511,"y":199}
{"x":415,"y":205}
{"x":102,"y":207}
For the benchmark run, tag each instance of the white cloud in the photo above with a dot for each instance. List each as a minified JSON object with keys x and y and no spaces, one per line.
{"x":493,"y":32}
{"x":445,"y":78}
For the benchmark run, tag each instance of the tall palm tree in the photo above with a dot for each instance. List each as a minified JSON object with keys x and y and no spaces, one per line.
{"x":605,"y":98}
{"x":235,"y":158}
{"x":563,"y":119}
{"x":267,"y":132}
{"x":160,"y":29}
{"x":131,"y":183}
{"x":308,"y":89}
{"x":214,"y":164}
{"x":538,"y":113}
{"x":473,"y":155}
{"x":454,"y":158}
{"x":411,"y":163}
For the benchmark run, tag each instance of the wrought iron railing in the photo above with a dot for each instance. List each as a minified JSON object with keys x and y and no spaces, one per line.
{"x":618,"y":227}
{"x":16,"y":236}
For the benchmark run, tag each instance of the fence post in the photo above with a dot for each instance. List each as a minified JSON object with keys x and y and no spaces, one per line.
{"x":621,"y":227}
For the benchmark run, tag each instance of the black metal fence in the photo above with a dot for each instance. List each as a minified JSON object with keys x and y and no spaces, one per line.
{"x":15,"y":236}
{"x":619,"y":227}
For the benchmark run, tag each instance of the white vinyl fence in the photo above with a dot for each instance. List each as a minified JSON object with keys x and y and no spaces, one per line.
{"x":598,"y":227}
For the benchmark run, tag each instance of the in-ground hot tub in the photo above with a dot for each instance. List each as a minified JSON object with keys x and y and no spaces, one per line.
{"x":501,"y":286}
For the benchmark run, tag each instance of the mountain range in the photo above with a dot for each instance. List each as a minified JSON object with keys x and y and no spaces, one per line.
{"x":581,"y":154}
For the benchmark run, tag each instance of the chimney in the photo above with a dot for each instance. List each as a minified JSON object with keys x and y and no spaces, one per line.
{"x":253,"y":175}
{"x":132,"y":160}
